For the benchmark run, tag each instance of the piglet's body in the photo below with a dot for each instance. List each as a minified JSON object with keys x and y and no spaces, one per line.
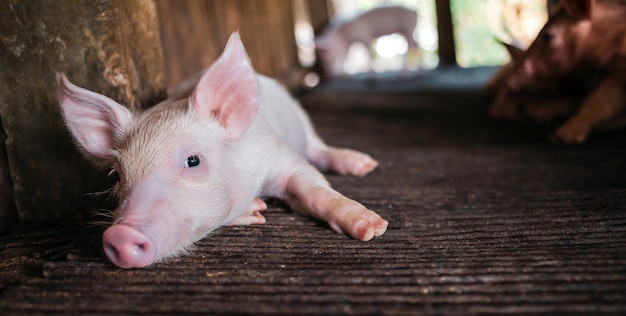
{"x":333,"y":45}
{"x":189,"y":166}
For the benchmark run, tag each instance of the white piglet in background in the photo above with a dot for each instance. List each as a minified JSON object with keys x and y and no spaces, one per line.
{"x":188,"y":167}
{"x":334,"y":43}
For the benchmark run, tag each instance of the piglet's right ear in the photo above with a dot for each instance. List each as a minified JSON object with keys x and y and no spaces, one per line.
{"x":229,"y":91}
{"x":94,"y":120}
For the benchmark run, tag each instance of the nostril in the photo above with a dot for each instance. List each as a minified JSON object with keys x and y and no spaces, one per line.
{"x":126,"y":247}
{"x":111,"y":251}
{"x":138,"y":250}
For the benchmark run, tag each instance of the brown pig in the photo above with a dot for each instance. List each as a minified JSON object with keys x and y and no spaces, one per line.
{"x":543,"y":102}
{"x":581,"y":35}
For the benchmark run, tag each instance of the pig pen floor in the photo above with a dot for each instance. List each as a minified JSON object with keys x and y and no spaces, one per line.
{"x":486,"y":217}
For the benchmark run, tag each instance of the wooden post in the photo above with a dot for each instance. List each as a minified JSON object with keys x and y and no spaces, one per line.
{"x":447,"y":54}
{"x":111,"y":47}
{"x":319,"y":12}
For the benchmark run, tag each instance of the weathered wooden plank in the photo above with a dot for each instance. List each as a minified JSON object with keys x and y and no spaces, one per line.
{"x":112,"y":47}
{"x":188,"y":41}
{"x":194,"y":34}
{"x":8,"y":213}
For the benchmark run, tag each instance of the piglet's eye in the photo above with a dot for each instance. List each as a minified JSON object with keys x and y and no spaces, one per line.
{"x":192,"y":161}
{"x":548,"y":37}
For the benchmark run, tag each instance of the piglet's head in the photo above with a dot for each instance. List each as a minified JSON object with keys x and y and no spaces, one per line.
{"x":175,"y":179}
{"x":558,"y":48}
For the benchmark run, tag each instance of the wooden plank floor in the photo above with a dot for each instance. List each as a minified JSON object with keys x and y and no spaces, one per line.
{"x":485,"y":218}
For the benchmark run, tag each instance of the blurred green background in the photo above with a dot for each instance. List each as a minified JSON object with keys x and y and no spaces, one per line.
{"x":476,"y":25}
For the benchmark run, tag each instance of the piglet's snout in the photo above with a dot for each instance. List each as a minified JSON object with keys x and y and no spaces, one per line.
{"x":127,"y":247}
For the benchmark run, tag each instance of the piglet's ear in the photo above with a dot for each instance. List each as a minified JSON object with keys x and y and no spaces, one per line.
{"x":515,"y":51}
{"x":579,"y":9}
{"x":229,"y":91}
{"x":93,"y":119}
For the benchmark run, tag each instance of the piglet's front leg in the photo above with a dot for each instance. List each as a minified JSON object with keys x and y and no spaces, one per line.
{"x":308,"y":192}
{"x":543,"y":110}
{"x":604,"y":103}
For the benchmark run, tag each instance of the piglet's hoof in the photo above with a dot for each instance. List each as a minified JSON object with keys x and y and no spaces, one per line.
{"x":572,"y":133}
{"x":354,"y":219}
{"x":352,"y":162}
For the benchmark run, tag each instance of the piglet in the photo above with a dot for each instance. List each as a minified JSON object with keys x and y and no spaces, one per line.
{"x":584,"y":36}
{"x":333,"y":45}
{"x":190,"y":166}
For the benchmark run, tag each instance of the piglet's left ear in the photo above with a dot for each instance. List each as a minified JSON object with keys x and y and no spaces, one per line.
{"x":579,"y":9}
{"x":229,"y":91}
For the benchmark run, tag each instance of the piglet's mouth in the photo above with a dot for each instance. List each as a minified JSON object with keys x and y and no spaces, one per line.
{"x":127,"y":247}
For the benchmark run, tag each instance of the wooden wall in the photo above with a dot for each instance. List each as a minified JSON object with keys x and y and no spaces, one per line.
{"x":195,"y":32}
{"x":8,"y":212}
{"x":132,"y":51}
{"x":112,"y":47}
